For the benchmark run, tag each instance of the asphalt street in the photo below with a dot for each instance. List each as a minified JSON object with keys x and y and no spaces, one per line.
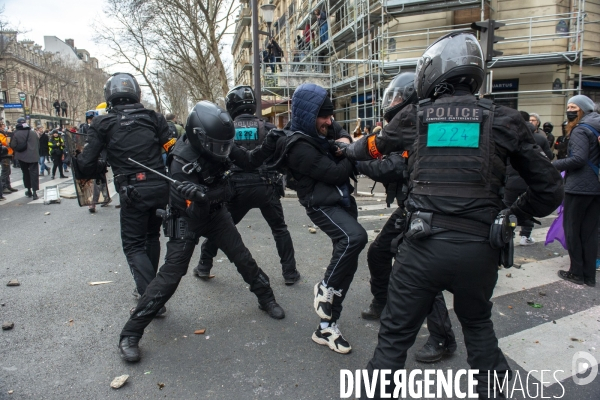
{"x":64,"y":341}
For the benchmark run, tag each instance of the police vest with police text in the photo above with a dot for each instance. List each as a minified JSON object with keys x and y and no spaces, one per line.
{"x":454,"y":154}
{"x":249,"y":131}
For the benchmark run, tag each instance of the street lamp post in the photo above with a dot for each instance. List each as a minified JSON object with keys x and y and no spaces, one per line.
{"x":268,"y":10}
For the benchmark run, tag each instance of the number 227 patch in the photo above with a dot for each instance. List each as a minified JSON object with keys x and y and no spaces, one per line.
{"x":453,"y":134}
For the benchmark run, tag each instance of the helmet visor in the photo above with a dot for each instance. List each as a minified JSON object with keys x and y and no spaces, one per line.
{"x":392,"y":96}
{"x":220,"y":148}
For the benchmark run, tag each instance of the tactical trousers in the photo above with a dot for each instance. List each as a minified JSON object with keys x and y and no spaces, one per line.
{"x":349,"y":239}
{"x":218,"y":227}
{"x":5,"y":171}
{"x":380,"y":257}
{"x":267,"y":201}
{"x":140,"y":231}
{"x":580,"y":223}
{"x":31,"y":175}
{"x":422,"y":269}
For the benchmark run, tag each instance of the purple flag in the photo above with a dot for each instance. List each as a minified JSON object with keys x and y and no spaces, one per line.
{"x":556,"y":231}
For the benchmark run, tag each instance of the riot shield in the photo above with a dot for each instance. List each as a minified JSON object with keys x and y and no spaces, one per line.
{"x":89,"y":191}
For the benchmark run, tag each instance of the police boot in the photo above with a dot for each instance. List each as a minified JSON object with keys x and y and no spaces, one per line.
{"x":374,"y":311}
{"x":129,"y":349}
{"x":28,"y":193}
{"x":203,"y":271}
{"x":273,"y":309}
{"x":433,"y":351}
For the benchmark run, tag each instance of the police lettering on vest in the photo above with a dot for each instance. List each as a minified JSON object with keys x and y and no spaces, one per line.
{"x":249,"y":132}
{"x":455,"y":153}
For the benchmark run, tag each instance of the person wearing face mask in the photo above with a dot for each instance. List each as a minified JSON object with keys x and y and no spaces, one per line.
{"x":582,"y":190}
{"x":547,"y":128}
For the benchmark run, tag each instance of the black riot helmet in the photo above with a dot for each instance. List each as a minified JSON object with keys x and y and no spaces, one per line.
{"x":399,"y":93}
{"x":121,"y":88}
{"x":210,"y":129}
{"x":455,"y":58}
{"x":240,"y":100}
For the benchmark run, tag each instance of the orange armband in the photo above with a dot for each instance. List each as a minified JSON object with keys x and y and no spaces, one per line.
{"x":373,"y":152}
{"x":169,"y":144}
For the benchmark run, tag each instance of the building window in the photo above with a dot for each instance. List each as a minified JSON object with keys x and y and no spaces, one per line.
{"x":392,"y":45}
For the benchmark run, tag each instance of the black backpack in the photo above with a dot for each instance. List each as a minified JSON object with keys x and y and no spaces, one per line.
{"x":172,"y":130}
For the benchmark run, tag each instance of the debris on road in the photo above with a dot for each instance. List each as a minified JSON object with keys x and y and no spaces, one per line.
{"x":576,"y":340}
{"x":510,"y":307}
{"x":509,"y":275}
{"x":517,"y":266}
{"x":542,"y":293}
{"x":161,"y":385}
{"x":312,"y":230}
{"x":147,"y":372}
{"x":99,"y":283}
{"x":13,"y":282}
{"x":47,"y":213}
{"x":377,"y":230}
{"x":199,"y":331}
{"x":119,"y":381}
{"x":535,"y":305}
{"x":8,"y":326}
{"x":11,"y":391}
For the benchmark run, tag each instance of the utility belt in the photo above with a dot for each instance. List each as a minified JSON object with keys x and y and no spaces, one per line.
{"x":418,"y":225}
{"x":174,"y":226}
{"x":135,"y":178}
{"x":260,"y":177}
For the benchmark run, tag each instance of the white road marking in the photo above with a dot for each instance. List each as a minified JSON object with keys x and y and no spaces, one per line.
{"x":552,"y":346}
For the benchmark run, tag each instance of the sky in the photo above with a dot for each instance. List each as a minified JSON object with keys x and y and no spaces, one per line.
{"x":65,"y":19}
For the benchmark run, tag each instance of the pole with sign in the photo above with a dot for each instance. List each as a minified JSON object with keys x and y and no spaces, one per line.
{"x":23,"y":97}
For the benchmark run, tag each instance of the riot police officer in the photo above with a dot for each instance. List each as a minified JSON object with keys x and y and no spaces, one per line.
{"x":261,"y":188}
{"x":399,"y":111}
{"x":457,"y":232}
{"x":200,"y":160}
{"x":130,"y":130}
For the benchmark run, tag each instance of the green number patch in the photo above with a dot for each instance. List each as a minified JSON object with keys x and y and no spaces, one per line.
{"x":453,"y":134}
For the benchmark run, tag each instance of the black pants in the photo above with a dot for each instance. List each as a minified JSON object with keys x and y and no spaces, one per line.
{"x":57,"y":164}
{"x":5,"y":171}
{"x":580,"y":223}
{"x":349,"y":239}
{"x":264,"y":198}
{"x":64,"y":112}
{"x":31,"y":175}
{"x":140,"y":231}
{"x":509,"y":198}
{"x":379,"y":259}
{"x":422,"y":269}
{"x":218,"y":227}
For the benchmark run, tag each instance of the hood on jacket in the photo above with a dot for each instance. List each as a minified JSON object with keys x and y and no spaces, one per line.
{"x":592,"y":119}
{"x":306,"y":103}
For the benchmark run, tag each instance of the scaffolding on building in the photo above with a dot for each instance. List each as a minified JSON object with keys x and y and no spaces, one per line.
{"x":363,"y":46}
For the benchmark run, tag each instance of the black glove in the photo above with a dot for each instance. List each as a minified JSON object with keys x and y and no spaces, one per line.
{"x":339,"y":148}
{"x":191,"y":191}
{"x":129,"y":195}
{"x":270,"y":142}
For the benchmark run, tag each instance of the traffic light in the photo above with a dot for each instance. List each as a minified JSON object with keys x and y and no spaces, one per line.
{"x":487,"y":37}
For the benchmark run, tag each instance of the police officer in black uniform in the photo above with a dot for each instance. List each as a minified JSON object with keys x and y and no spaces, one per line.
{"x":457,"y":232}
{"x":130,"y":130}
{"x":261,"y":188}
{"x":399,"y":111}
{"x":199,"y":160}
{"x":89,"y":116}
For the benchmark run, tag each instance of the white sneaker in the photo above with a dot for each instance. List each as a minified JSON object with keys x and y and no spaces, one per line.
{"x":526,"y":241}
{"x":324,"y":300}
{"x":332,"y":337}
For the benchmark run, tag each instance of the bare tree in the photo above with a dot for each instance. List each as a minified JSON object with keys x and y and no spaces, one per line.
{"x":130,"y":39}
{"x":176,"y":93}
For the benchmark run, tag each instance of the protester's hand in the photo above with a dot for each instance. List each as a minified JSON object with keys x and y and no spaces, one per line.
{"x":341,"y":149}
{"x":191,"y":191}
{"x":270,"y":142}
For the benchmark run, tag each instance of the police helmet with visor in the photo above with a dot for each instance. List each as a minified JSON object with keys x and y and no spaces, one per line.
{"x":210,"y":129}
{"x":399,"y":93}
{"x":240,"y":100}
{"x":455,"y":58}
{"x":122,"y":87}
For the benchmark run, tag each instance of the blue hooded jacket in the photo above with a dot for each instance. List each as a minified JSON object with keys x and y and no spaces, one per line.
{"x":322,"y":182}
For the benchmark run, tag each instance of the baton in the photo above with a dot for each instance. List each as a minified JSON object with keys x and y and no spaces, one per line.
{"x":173,"y":181}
